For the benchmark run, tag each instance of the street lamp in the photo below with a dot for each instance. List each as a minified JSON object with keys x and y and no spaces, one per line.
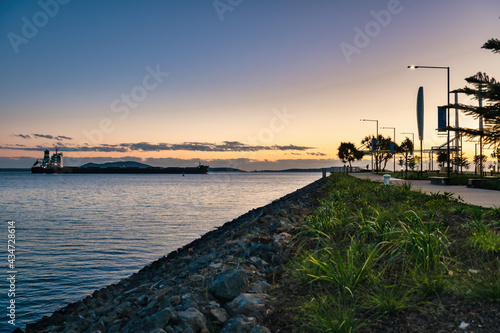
{"x":458,"y":137}
{"x":448,"y":109}
{"x":394,"y":139}
{"x":375,"y":137}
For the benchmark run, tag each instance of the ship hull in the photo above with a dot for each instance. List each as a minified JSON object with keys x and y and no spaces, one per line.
{"x":202,"y":169}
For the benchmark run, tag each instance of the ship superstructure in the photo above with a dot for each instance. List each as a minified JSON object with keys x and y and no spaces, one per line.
{"x":54,"y":161}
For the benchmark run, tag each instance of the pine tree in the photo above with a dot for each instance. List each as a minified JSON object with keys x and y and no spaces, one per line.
{"x":493,"y":45}
{"x":487,"y":90}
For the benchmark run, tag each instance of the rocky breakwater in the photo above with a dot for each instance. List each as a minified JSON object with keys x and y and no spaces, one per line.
{"x":218,"y":283}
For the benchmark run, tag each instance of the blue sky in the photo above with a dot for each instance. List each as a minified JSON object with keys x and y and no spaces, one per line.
{"x":271,"y":81}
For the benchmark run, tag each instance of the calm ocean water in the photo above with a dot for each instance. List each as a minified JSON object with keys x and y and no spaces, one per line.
{"x":78,"y":233}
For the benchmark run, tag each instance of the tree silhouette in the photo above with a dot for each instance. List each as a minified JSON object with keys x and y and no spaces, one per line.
{"x":442,"y":158}
{"x":496,"y":154}
{"x":493,"y":45}
{"x":348,"y":153}
{"x":382,"y":152}
{"x":406,"y":149}
{"x":460,"y":162}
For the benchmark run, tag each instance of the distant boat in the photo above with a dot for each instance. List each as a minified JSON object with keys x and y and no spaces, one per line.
{"x":55,"y":165}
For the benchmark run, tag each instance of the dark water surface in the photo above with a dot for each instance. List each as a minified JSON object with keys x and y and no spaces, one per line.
{"x":78,"y":233}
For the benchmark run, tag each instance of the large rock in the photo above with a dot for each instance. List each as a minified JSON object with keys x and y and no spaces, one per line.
{"x":260,"y":287}
{"x":265,"y":252}
{"x":193,"y":318}
{"x":219,"y":314}
{"x":249,"y":305}
{"x":158,"y":330}
{"x":158,"y":320}
{"x":229,"y":285}
{"x":282,"y":225}
{"x":239,"y":324}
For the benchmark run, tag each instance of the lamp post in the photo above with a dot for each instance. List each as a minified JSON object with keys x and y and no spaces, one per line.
{"x":448,"y":110}
{"x":375,"y":137}
{"x":476,"y":162}
{"x":394,"y":140}
{"x":481,"y":128}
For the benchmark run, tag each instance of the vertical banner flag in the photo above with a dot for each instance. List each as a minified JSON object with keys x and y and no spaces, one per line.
{"x":441,"y":119}
{"x":420,"y":113}
{"x":374,"y":144}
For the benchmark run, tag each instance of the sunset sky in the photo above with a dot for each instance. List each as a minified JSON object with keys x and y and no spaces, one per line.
{"x":251,"y":84}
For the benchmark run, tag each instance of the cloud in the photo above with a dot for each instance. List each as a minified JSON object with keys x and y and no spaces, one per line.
{"x":316,"y":154}
{"x":292,"y":147}
{"x":51,"y":137}
{"x":233,"y":146}
{"x":24,"y":136}
{"x":43,"y":136}
{"x":226,"y":146}
{"x":38,"y":148}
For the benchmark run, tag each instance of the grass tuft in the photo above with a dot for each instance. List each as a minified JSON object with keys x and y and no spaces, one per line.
{"x":484,"y":286}
{"x":390,"y":299}
{"x":328,"y":314}
{"x":345,"y":270}
{"x":486,"y":241}
{"x":424,"y":242}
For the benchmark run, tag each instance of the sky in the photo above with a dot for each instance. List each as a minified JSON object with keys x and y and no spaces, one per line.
{"x":261,"y":84}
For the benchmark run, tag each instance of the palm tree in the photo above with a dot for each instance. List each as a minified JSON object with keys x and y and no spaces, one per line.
{"x":460,"y":162}
{"x":381,"y":153}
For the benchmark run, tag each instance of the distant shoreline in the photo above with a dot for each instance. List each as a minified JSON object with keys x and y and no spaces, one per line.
{"x":209,"y":171}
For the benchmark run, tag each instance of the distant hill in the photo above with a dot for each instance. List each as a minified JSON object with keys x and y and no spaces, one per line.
{"x":121,"y":164}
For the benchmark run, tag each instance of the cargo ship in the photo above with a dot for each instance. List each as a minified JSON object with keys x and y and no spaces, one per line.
{"x":54,"y":164}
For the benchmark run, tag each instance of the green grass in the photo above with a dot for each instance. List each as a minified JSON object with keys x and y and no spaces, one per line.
{"x":484,"y":285}
{"x":329,"y":314}
{"x":431,"y":283}
{"x":423,"y":241}
{"x":486,"y":241}
{"x":344,"y":270}
{"x":371,"y":250}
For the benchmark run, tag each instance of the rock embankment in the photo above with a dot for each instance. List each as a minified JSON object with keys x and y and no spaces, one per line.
{"x":218,"y":283}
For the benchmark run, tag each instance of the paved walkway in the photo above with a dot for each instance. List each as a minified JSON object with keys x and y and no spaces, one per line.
{"x":474,"y":196}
